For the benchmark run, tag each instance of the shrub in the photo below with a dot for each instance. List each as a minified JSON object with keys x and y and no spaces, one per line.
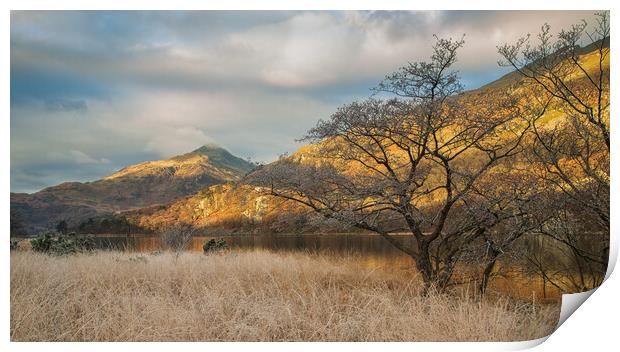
{"x":14,"y":244}
{"x":214,"y":245}
{"x":62,"y":245}
{"x":42,"y":243}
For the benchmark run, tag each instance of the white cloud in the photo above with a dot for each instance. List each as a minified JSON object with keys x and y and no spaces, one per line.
{"x":313,"y":49}
{"x":174,"y":141}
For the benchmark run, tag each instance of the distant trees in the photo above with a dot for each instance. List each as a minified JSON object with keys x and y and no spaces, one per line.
{"x":110,"y":224}
{"x":414,"y":162}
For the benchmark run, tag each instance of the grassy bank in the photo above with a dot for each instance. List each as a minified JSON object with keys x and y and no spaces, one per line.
{"x":246,"y":296}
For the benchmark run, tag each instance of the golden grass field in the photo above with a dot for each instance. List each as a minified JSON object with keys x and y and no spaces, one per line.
{"x":247,"y":296}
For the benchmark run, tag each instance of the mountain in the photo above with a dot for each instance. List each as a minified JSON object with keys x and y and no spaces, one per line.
{"x":232,"y":208}
{"x":141,"y":185}
{"x":204,"y":188}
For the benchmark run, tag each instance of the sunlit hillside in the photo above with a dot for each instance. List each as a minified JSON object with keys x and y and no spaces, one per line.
{"x":136,"y":186}
{"x":232,"y":207}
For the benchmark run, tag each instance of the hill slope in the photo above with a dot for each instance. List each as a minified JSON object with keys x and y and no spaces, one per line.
{"x":232,"y":208}
{"x":140,"y":185}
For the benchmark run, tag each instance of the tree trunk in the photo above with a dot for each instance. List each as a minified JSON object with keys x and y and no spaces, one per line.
{"x":444,"y":277}
{"x":488,"y":270}
{"x":424,"y":265}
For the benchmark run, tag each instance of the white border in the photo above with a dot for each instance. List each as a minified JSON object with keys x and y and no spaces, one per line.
{"x":593,"y":327}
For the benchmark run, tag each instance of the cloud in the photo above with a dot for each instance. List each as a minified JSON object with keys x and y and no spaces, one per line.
{"x":74,"y":157}
{"x":259,"y":124}
{"x":82,"y":158}
{"x":54,"y":105}
{"x":94,"y":91}
{"x":177,"y":140}
{"x":322,"y":48}
{"x":288,"y":49}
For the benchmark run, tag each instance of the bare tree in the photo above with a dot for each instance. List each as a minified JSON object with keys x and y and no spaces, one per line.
{"x":411,"y":163}
{"x":571,"y":154}
{"x":574,"y":153}
{"x":177,"y":237}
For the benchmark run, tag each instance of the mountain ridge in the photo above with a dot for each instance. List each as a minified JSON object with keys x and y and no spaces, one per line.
{"x":135,"y":186}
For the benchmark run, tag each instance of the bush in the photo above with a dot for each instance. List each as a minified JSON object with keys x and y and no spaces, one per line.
{"x":214,"y":245}
{"x":14,"y":244}
{"x":42,"y":243}
{"x":62,"y":245}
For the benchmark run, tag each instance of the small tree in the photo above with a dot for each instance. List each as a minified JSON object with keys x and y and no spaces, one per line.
{"x":177,"y":237}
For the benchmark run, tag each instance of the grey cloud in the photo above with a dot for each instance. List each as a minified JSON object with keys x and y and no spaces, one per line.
{"x":94,"y":91}
{"x":54,"y":105}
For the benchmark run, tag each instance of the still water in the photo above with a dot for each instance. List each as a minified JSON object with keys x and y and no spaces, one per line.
{"x":371,"y":251}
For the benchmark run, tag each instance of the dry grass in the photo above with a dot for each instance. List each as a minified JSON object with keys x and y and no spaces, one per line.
{"x":246,"y":296}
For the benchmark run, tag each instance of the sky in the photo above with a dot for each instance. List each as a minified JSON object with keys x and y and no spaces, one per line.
{"x":92,"y":92}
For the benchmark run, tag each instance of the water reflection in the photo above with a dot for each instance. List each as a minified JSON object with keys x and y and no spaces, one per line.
{"x":340,"y":243}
